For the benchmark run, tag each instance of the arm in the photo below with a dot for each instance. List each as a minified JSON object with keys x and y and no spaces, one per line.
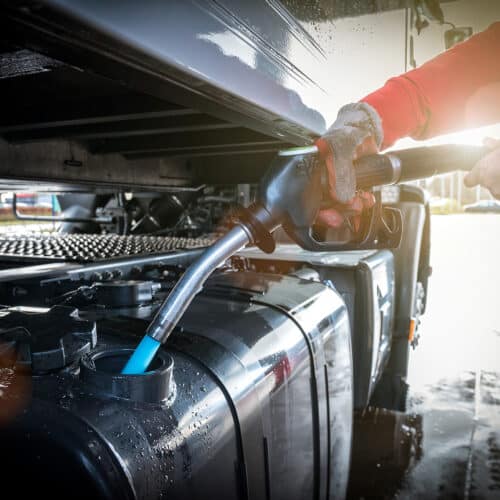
{"x":457,"y":89}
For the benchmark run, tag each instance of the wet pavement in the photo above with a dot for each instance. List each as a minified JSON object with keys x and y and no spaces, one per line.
{"x":447,"y":445}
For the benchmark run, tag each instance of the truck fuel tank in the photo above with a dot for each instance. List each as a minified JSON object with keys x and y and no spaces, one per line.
{"x":250,"y":398}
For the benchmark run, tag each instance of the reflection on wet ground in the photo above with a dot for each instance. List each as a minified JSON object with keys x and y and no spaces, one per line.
{"x":447,"y":445}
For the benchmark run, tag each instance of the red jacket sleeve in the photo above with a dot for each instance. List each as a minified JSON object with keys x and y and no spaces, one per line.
{"x":457,"y":89}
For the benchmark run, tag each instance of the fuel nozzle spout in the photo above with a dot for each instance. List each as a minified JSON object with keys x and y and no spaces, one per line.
{"x":174,"y":306}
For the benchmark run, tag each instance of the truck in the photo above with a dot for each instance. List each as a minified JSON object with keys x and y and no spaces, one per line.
{"x":154,"y":122}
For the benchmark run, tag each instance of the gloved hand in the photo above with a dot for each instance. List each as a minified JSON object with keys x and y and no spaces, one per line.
{"x":486,"y":172}
{"x":356,"y":132}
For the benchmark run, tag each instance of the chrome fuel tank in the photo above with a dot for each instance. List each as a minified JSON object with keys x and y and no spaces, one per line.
{"x":251,"y":398}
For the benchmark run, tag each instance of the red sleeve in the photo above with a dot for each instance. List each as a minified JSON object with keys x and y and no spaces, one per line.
{"x":457,"y":89}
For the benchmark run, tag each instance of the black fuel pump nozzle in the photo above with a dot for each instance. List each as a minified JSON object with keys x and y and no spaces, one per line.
{"x":291,"y":194}
{"x":295,"y":189}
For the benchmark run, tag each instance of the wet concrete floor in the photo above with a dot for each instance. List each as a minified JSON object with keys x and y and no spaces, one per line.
{"x":447,"y":445}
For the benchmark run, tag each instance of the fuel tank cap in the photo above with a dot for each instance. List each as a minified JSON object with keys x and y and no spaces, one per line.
{"x":44,"y":340}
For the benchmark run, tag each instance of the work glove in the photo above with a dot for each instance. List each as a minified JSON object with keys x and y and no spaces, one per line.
{"x":356,"y":132}
{"x":486,"y":172}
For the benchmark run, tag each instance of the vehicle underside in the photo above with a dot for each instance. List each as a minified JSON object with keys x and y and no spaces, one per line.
{"x":152,"y":159}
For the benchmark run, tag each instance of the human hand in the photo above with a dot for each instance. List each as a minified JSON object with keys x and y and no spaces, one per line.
{"x":357,"y":132}
{"x":486,"y":172}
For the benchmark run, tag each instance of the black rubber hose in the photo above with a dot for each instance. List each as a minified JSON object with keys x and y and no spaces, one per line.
{"x":376,"y":170}
{"x":415,"y":163}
